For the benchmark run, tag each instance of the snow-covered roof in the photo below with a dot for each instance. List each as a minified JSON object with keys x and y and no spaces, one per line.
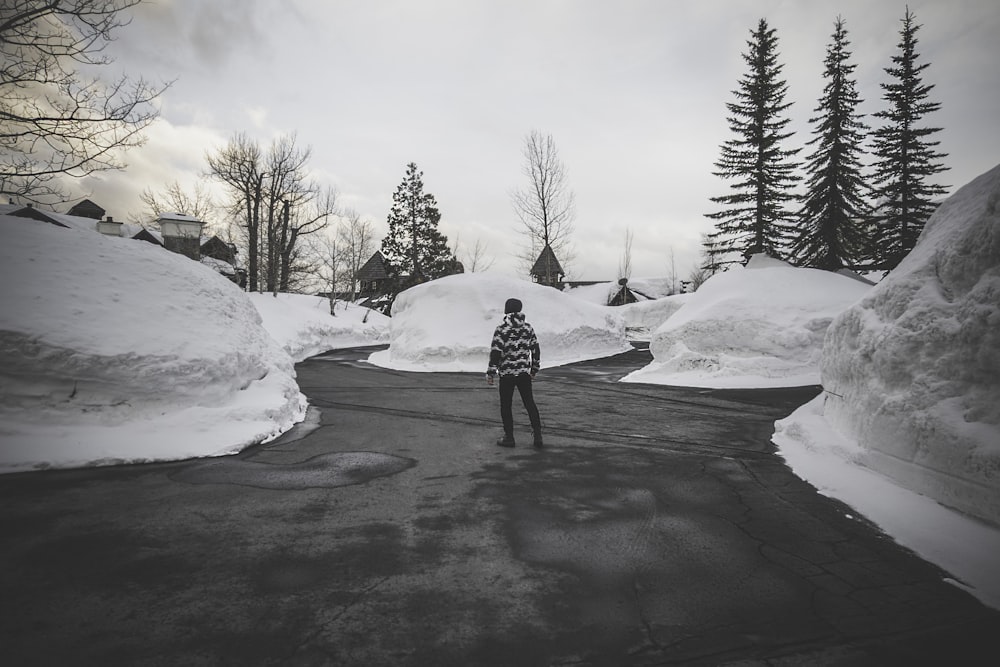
{"x":182,"y":217}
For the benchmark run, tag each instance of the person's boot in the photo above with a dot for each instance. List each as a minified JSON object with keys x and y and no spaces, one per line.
{"x":537,"y":443}
{"x":506,"y":441}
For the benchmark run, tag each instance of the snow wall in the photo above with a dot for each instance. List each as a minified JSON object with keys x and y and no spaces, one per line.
{"x":761,"y":325}
{"x":912,"y":371}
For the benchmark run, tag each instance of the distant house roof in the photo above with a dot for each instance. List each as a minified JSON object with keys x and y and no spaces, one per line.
{"x":178,"y":216}
{"x":149,"y":236}
{"x":87,"y":209}
{"x":547,"y":264}
{"x":219,"y":249}
{"x":374,"y":268}
{"x":33,"y":213}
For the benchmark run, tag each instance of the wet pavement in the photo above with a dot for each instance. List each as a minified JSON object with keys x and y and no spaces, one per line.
{"x":657,"y":526}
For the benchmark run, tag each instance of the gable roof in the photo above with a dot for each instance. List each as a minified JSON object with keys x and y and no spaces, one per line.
{"x":87,"y":209}
{"x":374,"y":268}
{"x":547,"y":264}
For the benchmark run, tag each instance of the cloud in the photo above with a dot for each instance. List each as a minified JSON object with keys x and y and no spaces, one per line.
{"x":171,"y":153}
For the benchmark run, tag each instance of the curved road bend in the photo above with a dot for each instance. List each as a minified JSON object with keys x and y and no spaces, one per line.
{"x":657,"y":527}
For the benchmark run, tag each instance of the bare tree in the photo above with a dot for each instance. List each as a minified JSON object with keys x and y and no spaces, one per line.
{"x":356,"y":238}
{"x":546,"y":207}
{"x":295,"y":264}
{"x":329,"y":266}
{"x":625,"y":263}
{"x":55,"y":121}
{"x":672,"y":273}
{"x":476,"y":258}
{"x":197,"y":203}
{"x":276,"y":206}
{"x":238,"y":166}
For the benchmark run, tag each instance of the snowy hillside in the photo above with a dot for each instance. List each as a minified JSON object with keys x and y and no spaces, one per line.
{"x":758,"y":326}
{"x":115,"y":350}
{"x":447,"y":324}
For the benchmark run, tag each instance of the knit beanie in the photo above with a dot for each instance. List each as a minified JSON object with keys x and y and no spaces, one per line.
{"x":512,"y":306}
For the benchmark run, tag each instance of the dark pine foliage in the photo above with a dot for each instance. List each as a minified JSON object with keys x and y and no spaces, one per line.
{"x":834,"y":211}
{"x":905,"y":156}
{"x":755,"y":218}
{"x":414,"y":248}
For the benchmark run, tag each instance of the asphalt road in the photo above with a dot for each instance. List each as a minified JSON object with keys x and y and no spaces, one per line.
{"x":657,"y":526}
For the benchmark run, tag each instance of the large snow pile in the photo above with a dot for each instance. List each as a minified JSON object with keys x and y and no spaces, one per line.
{"x":648,"y":316}
{"x":912,"y":372}
{"x":598,"y":294}
{"x":114,"y":350}
{"x":757,"y":326}
{"x":643,"y":288}
{"x":447,"y":324}
{"x":303,"y":326}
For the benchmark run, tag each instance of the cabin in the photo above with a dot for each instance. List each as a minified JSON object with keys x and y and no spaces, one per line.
{"x":373,"y":277}
{"x":547,"y":270}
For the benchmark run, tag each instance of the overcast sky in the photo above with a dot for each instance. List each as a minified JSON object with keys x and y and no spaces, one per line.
{"x":633,"y":93}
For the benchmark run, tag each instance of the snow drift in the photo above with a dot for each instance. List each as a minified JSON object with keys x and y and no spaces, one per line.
{"x":912,"y":371}
{"x":302,"y":324}
{"x":648,"y":316}
{"x":447,"y":324}
{"x":758,"y":326}
{"x":115,"y":350}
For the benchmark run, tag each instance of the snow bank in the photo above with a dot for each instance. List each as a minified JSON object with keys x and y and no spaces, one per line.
{"x":913,"y":370}
{"x":598,"y":294}
{"x":964,"y":547}
{"x":115,"y":350}
{"x":644,"y":288}
{"x":650,"y":315}
{"x":303,"y":326}
{"x":447,"y":324}
{"x":757,"y":326}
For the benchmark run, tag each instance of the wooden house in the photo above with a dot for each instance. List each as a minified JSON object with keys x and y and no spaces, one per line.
{"x":547,"y":270}
{"x":373,"y":277}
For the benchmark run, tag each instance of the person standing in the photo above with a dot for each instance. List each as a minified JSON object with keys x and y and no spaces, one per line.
{"x":515,"y":356}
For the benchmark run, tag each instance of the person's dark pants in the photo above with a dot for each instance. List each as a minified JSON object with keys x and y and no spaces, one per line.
{"x":523,"y":384}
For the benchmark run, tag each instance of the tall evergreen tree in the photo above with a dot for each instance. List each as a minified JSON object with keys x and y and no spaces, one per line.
{"x":905,"y":157}
{"x":755,"y":218}
{"x":834,"y":211}
{"x":414,"y":248}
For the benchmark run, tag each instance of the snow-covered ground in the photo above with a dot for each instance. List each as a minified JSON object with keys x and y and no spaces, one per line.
{"x":447,"y":324}
{"x":758,"y":326}
{"x":910,"y":419}
{"x":115,"y":350}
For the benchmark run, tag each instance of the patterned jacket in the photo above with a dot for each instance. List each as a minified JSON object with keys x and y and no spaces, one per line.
{"x":515,"y":347}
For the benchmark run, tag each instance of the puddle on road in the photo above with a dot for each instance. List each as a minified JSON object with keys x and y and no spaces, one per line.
{"x":323,"y":471}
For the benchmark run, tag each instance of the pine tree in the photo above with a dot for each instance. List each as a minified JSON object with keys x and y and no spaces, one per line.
{"x":905,"y":157}
{"x":834,"y":211}
{"x":755,"y":218}
{"x":414,"y":248}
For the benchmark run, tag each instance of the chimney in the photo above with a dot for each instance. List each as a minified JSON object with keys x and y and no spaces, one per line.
{"x":109,"y":227}
{"x":181,"y":234}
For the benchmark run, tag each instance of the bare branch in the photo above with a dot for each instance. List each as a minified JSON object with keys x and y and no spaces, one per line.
{"x":53,"y":121}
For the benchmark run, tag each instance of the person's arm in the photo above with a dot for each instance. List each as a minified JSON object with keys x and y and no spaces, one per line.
{"x":496,"y":354}
{"x":536,"y":354}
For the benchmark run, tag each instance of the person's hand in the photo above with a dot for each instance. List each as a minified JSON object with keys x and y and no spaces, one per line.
{"x":489,"y":380}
